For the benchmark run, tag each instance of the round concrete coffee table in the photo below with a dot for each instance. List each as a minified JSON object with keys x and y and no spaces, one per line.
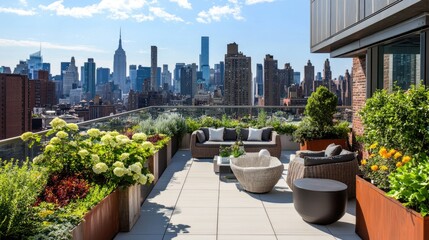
{"x":320,"y":201}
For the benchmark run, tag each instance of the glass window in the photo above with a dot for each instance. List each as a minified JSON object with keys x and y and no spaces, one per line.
{"x":401,"y":63}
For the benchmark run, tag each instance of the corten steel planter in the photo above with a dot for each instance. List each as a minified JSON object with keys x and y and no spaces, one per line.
{"x":381,"y":217}
{"x":129,"y":207}
{"x":321,"y":144}
{"x":101,"y":222}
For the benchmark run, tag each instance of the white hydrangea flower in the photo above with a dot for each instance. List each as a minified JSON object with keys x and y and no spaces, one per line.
{"x":93,"y":132}
{"x":142,"y":179}
{"x":119,"y":172}
{"x":72,"y":126}
{"x":135,"y":168}
{"x":150,"y":177}
{"x":100,"y":168}
{"x":136,"y":177}
{"x":147,"y":145}
{"x":83,"y":153}
{"x":73,"y":143}
{"x":113,"y":133}
{"x":49,"y":148}
{"x":26,"y":136}
{"x":55,"y":140}
{"x":118,"y":164}
{"x":57,"y":123}
{"x":139,"y":137}
{"x":38,"y":159}
{"x":62,"y":134}
{"x":124,"y":156}
{"x":106,"y":139}
{"x":95,"y":157}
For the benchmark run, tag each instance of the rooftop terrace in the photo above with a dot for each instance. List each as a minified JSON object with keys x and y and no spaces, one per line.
{"x":191,"y":202}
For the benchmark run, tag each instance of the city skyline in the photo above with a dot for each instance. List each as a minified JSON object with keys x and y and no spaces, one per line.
{"x":90,"y":30}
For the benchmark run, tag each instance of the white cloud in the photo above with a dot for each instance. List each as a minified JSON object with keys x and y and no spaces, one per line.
{"x":21,"y":12}
{"x":143,"y":18}
{"x":46,"y":45}
{"x":216,"y":13}
{"x":23,"y":2}
{"x":251,"y":2}
{"x":183,"y":3}
{"x":159,"y":12}
{"x":116,"y":9}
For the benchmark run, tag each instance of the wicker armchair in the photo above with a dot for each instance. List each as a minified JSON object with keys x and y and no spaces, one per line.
{"x":312,"y":164}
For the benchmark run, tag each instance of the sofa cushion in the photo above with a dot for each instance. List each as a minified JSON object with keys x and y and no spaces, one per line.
{"x":345,"y":156}
{"x":200,"y":136}
{"x":260,"y":144}
{"x":254,"y":134}
{"x":206,"y":132}
{"x":230,"y":134}
{"x":244,"y":132}
{"x":266,"y":133}
{"x":214,"y":144}
{"x":216,"y":134}
{"x":332,"y":150}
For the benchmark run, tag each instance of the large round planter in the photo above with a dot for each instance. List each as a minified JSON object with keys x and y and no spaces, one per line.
{"x":381,"y":217}
{"x":101,"y":222}
{"x":129,"y":206}
{"x":321,"y":144}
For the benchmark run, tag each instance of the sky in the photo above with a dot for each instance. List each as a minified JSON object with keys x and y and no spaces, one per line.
{"x":90,"y":29}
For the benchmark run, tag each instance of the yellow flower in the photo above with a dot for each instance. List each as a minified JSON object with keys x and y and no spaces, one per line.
{"x":383,"y":151}
{"x":406,"y":159}
{"x":397,"y":155}
{"x":383,"y":168}
{"x":392,"y":152}
{"x":374,"y":145}
{"x":363,"y":162}
{"x":399,"y":164}
{"x":374,"y":168}
{"x":45,"y":213}
{"x":371,"y":156}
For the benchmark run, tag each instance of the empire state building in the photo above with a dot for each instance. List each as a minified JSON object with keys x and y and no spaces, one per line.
{"x":120,"y":67}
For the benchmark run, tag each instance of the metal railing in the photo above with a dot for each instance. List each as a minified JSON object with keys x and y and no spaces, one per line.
{"x":15,"y":148}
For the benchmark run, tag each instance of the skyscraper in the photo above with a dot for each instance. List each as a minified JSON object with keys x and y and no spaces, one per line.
{"x":133,"y":76}
{"x":89,"y":72}
{"x":285,"y":79}
{"x":204,"y":59}
{"x":103,"y":75}
{"x":297,"y":77}
{"x":259,"y":80}
{"x":120,"y":66}
{"x":327,"y":75}
{"x":308,"y":79}
{"x":271,"y":82}
{"x":153,"y":67}
{"x":346,"y":89}
{"x":143,"y":75}
{"x":15,"y":112}
{"x":176,"y":76}
{"x":188,"y":80}
{"x":35,"y":63}
{"x":165,"y":77}
{"x":71,"y":78}
{"x":238,"y":77}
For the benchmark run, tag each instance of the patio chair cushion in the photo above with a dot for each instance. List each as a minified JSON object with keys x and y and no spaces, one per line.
{"x":266,"y":133}
{"x":254,"y":134}
{"x":344,"y":156}
{"x":216,"y":134}
{"x":230,"y":134}
{"x":332,"y":150}
{"x":244,"y":134}
{"x":200,"y":136}
{"x":206,"y":132}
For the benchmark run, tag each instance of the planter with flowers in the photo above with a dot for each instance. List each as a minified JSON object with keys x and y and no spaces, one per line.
{"x":85,"y":167}
{"x":392,"y":198}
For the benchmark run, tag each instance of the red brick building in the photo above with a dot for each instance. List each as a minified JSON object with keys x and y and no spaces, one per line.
{"x":15,"y":111}
{"x":42,"y":91}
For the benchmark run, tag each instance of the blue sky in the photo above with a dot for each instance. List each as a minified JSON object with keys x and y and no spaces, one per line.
{"x":90,"y":28}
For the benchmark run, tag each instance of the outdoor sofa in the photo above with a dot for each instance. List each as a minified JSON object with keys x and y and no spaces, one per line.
{"x":202,"y":147}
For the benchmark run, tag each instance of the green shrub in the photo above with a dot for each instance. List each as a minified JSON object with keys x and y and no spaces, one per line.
{"x":19,"y":188}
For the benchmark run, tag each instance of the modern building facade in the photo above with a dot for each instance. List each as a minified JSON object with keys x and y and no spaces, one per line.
{"x":153,"y":68}
{"x":307,"y":84}
{"x":103,"y":75}
{"x":388,"y":41}
{"x":238,"y":77}
{"x":286,"y":78}
{"x":176,"y":77}
{"x":165,"y":77}
{"x":15,"y":111}
{"x":271,"y":82}
{"x":188,"y":80}
{"x":120,"y":66}
{"x":89,"y":84}
{"x":71,"y":78}
{"x":259,"y":79}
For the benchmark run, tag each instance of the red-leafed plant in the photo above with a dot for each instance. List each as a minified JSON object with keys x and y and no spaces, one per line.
{"x":155,"y":138}
{"x":60,"y":190}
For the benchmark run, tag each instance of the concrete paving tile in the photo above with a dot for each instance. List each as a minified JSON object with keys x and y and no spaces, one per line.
{"x":247,"y":237}
{"x":238,"y":199}
{"x":277,"y":198}
{"x":243,"y":221}
{"x":193,"y":221}
{"x":198,"y":198}
{"x":161,"y":198}
{"x":305,"y":237}
{"x":201,"y":184}
{"x":127,"y":236}
{"x":189,"y":237}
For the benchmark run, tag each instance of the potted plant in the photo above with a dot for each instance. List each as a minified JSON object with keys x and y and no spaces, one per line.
{"x":96,"y":159}
{"x":224,"y":154}
{"x":393,"y":204}
{"x":317,"y":129}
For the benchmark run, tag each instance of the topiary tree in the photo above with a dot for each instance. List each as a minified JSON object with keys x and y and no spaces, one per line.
{"x":321,"y":106}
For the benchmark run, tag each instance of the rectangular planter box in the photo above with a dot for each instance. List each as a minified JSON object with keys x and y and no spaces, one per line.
{"x":101,"y":222}
{"x":162,"y":160}
{"x":129,"y":207}
{"x":321,"y":144}
{"x":186,"y":140}
{"x":153,"y":165}
{"x":144,"y":191}
{"x":174,"y":145}
{"x":170,"y":153}
{"x":288,"y":144}
{"x":381,"y":217}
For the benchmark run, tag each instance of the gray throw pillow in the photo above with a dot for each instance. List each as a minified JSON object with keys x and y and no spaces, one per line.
{"x":230,"y":134}
{"x":200,"y":136}
{"x":216,"y":134}
{"x":206,"y":132}
{"x":266,"y":133}
{"x":332,"y":150}
{"x":254,"y":134}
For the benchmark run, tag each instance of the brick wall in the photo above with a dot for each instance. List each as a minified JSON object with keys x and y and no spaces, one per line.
{"x":358,"y":97}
